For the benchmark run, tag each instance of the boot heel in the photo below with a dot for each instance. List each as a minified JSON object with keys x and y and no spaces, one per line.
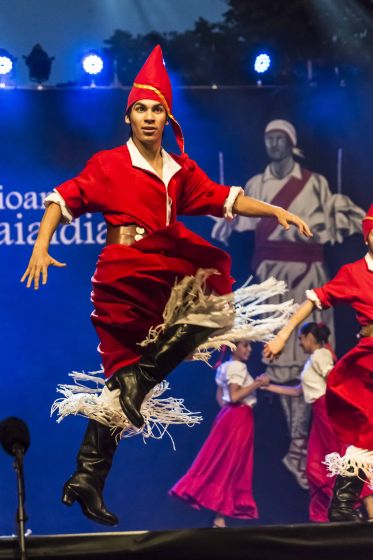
{"x":69,"y":497}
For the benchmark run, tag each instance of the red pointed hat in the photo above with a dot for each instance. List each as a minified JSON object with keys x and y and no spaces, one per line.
{"x":368,"y":222}
{"x":153,"y":82}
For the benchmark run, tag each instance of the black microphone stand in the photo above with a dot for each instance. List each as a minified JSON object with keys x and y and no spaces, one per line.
{"x":18,"y":452}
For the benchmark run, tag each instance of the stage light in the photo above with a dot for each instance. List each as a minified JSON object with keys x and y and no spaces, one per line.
{"x":6,"y":65}
{"x":262,"y":63}
{"x":92,"y":64}
{"x":6,"y":62}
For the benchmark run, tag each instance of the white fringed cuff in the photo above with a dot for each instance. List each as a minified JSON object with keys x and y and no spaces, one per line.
{"x":243,"y":314}
{"x":312,"y":296}
{"x":55,"y":197}
{"x":90,"y":397}
{"x":230,"y":200}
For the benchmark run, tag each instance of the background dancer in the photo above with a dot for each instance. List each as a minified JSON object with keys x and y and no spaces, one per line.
{"x":313,"y":339}
{"x":220,"y":478}
{"x":349,"y":395}
{"x":140,"y":189}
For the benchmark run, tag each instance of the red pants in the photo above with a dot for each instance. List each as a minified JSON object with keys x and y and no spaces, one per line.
{"x":322,"y":441}
{"x":132,"y":284}
{"x":349,"y":396}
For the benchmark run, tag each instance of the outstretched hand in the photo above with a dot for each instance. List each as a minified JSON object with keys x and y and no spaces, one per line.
{"x":263,"y":380}
{"x":38,"y":266}
{"x":286,"y":218}
{"x":273,"y":349}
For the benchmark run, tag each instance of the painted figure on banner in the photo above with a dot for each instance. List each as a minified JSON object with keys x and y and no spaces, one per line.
{"x":161,"y":293}
{"x":292,"y":258}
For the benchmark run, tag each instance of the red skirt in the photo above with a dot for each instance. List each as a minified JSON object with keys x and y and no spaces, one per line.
{"x":349,"y":396}
{"x":132,"y":284}
{"x":322,"y":440}
{"x":220,"y":479}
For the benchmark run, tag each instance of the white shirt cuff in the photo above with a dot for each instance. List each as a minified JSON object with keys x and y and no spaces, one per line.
{"x":312,"y":296}
{"x":55,"y":196}
{"x":230,"y":200}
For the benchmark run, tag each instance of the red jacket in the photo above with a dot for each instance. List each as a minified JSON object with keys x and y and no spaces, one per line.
{"x":349,"y":394}
{"x":353,"y":285}
{"x":111,"y":184}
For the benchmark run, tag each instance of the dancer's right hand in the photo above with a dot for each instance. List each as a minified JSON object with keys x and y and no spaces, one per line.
{"x":263,"y":379}
{"x":273,"y":348}
{"x":38,"y":265}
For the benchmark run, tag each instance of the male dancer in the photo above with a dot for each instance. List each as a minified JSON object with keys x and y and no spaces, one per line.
{"x":140,"y":188}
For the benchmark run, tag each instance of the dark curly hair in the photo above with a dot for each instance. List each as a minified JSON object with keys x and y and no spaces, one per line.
{"x":319,"y":330}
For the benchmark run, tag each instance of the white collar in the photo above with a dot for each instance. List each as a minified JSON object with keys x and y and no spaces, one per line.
{"x":295,"y":172}
{"x":170,"y":166}
{"x":369,"y":261}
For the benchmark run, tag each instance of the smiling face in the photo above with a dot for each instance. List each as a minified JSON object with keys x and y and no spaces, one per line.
{"x":243,"y":350}
{"x":278,"y":145}
{"x":307,"y":342}
{"x":147,"y":119}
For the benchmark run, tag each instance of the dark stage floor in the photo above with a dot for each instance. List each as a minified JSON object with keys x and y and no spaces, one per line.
{"x":290,"y":542}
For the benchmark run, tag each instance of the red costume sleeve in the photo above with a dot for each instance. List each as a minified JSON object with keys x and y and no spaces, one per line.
{"x":200,"y":195}
{"x":337,"y":290}
{"x":84,"y":192}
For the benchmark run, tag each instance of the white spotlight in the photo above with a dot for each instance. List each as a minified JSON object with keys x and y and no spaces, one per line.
{"x":262,"y":63}
{"x":92,"y":64}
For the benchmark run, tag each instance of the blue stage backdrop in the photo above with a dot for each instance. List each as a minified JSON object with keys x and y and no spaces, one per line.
{"x":47,"y":136}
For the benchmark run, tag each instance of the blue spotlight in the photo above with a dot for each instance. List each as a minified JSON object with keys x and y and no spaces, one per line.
{"x":6,"y":65}
{"x":92,"y":64}
{"x":262,"y":63}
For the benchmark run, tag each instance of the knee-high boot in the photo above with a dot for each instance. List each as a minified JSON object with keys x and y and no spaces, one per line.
{"x":170,"y":349}
{"x":346,"y":495}
{"x":94,"y":461}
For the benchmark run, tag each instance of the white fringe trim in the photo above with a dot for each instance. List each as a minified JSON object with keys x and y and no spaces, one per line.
{"x":353,"y":461}
{"x":102,"y":405}
{"x":242,"y":314}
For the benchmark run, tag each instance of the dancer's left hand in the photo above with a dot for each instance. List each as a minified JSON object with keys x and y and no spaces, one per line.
{"x":273,"y":349}
{"x":286,"y":218}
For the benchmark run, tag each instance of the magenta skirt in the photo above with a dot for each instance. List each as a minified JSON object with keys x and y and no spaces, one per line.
{"x":220,"y":479}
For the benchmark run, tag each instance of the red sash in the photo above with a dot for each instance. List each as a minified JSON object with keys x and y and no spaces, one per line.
{"x":286,"y":251}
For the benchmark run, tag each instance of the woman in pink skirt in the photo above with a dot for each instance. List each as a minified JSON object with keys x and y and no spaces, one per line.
{"x":313,"y":338}
{"x":220,"y":478}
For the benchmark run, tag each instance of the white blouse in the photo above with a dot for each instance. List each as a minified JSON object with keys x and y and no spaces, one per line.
{"x":314,"y":374}
{"x":234,"y":371}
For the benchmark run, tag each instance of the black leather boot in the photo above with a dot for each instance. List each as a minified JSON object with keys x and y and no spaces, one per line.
{"x":346,"y":495}
{"x":94,"y":461}
{"x":170,"y":349}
